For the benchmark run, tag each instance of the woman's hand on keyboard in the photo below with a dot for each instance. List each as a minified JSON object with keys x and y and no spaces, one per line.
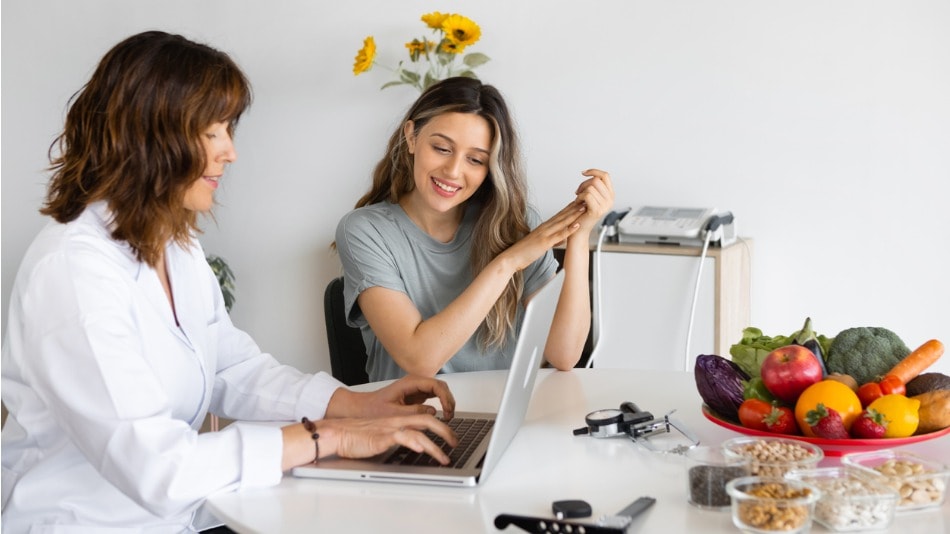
{"x":402,"y":397}
{"x":362,"y":438}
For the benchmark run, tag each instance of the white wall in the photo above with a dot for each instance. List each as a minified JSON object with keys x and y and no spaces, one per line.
{"x":823,"y":125}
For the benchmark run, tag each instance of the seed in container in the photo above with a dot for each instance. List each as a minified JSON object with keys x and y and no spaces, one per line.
{"x":763,"y":504}
{"x":849,"y":501}
{"x":774,"y":456}
{"x":914,"y":490}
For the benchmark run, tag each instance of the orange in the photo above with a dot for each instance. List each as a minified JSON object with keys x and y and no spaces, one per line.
{"x":832,"y":394}
{"x":901,"y":414}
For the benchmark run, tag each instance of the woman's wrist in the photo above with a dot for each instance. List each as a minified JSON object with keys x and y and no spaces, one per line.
{"x":577,"y":251}
{"x":503,"y":266}
{"x":311,"y":428}
{"x":580,"y":237}
{"x":300,"y":446}
{"x":297,"y":446}
{"x":344,"y":403}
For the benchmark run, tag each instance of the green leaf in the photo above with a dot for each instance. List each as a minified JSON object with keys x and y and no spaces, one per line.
{"x":392,"y":84}
{"x":750,"y":352}
{"x":225,"y":278}
{"x":407,"y":76}
{"x":468,"y":74}
{"x":446,"y":58}
{"x":475,"y":59}
{"x":429,"y":80}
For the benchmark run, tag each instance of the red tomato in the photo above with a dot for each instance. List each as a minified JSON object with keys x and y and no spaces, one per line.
{"x":760,"y":415}
{"x":892,"y":385}
{"x":752,"y":414}
{"x":869,"y":393}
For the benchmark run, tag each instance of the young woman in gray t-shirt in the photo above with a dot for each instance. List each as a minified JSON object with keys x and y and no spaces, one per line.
{"x":441,"y":254}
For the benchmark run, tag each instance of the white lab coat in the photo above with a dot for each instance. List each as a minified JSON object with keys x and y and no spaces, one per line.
{"x":106,"y":393}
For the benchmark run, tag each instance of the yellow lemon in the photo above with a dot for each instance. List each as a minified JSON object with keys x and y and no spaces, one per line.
{"x":901,"y":413}
{"x":832,"y":394}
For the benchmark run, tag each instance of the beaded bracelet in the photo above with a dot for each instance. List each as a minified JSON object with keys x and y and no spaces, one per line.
{"x":312,"y":428}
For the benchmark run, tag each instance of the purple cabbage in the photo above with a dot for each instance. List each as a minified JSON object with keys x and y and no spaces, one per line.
{"x":720,"y":383}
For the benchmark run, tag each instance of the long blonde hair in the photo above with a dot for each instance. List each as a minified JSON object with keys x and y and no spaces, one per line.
{"x":502,"y":220}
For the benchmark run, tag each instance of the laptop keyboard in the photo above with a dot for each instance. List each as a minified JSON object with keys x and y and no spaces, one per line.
{"x":470,"y":433}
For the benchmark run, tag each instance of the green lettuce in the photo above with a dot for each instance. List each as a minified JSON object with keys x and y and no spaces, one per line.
{"x":749,"y":352}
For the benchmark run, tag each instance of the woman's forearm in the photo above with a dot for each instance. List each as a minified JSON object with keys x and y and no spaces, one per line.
{"x":571,"y":323}
{"x":422,"y":346}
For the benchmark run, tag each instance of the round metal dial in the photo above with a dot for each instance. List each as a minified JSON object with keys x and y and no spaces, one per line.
{"x":604,"y":417}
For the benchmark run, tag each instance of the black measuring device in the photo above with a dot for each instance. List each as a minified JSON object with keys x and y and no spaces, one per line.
{"x":612,"y":524}
{"x":612,"y":422}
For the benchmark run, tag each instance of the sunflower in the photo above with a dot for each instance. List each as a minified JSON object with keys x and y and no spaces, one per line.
{"x":366,"y":55}
{"x":433,"y":57}
{"x":418,"y":48}
{"x":434,"y":20}
{"x":461,"y":30}
{"x":451,"y":47}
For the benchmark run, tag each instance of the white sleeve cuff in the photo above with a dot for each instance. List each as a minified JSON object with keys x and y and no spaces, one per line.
{"x":261,"y":455}
{"x":315,"y":396}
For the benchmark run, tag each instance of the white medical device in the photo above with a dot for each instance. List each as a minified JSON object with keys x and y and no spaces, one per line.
{"x":676,"y":226}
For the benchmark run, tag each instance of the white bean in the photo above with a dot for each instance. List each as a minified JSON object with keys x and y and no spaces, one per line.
{"x":838,"y":510}
{"x":913,"y":492}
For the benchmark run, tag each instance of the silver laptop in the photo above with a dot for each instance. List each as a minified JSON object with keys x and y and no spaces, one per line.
{"x":404,"y":466}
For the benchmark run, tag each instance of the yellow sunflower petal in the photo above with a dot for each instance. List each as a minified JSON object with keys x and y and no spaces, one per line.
{"x":434,"y":19}
{"x":416,"y":49}
{"x":366,"y":55}
{"x":461,"y":30}
{"x":451,"y":47}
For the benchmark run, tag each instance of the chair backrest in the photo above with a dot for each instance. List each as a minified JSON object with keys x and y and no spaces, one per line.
{"x":347,"y":351}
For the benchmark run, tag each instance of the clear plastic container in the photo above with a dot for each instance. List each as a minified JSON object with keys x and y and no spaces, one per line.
{"x":770,"y":504}
{"x":850,"y":499}
{"x":708,"y":470}
{"x":920,"y":482}
{"x":774,"y":456}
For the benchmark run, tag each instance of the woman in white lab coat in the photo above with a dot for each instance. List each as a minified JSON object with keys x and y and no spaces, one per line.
{"x":118,"y":343}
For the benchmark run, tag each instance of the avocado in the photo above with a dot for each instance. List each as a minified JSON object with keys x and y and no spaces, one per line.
{"x":927,"y":382}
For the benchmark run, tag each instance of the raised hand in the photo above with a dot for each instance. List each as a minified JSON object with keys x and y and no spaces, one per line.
{"x":597,"y":194}
{"x":548,"y":234}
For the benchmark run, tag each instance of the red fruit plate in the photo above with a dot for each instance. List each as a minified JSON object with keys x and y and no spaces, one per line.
{"x":832,"y":447}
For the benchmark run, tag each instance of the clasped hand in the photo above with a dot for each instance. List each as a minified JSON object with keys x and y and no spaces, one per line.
{"x":594,"y":197}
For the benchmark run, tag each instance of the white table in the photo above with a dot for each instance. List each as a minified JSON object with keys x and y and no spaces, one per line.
{"x":544,"y":463}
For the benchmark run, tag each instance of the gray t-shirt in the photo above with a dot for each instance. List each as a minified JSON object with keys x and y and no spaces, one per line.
{"x":380,"y":246}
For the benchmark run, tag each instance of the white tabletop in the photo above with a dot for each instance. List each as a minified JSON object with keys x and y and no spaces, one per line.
{"x":544,"y":463}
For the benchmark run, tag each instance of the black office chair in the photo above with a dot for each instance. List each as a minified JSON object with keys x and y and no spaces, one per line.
{"x":347,"y":351}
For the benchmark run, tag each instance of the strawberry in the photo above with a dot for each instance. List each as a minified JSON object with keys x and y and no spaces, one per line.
{"x":781,"y":420}
{"x":826,"y":423}
{"x":871,"y":424}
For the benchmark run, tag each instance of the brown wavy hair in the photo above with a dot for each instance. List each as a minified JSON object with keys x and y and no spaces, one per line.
{"x":132,"y":137}
{"x":502,"y":198}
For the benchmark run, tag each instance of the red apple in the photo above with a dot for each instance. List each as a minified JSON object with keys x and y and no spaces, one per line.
{"x":788,"y":370}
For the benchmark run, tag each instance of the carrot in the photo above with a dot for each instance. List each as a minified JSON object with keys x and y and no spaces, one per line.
{"x":918,"y":360}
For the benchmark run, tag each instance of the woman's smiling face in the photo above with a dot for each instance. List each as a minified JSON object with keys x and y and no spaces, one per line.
{"x":219,"y":152}
{"x":450,"y":159}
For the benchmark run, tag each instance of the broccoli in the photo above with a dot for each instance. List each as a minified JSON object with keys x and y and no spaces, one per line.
{"x":865,"y":353}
